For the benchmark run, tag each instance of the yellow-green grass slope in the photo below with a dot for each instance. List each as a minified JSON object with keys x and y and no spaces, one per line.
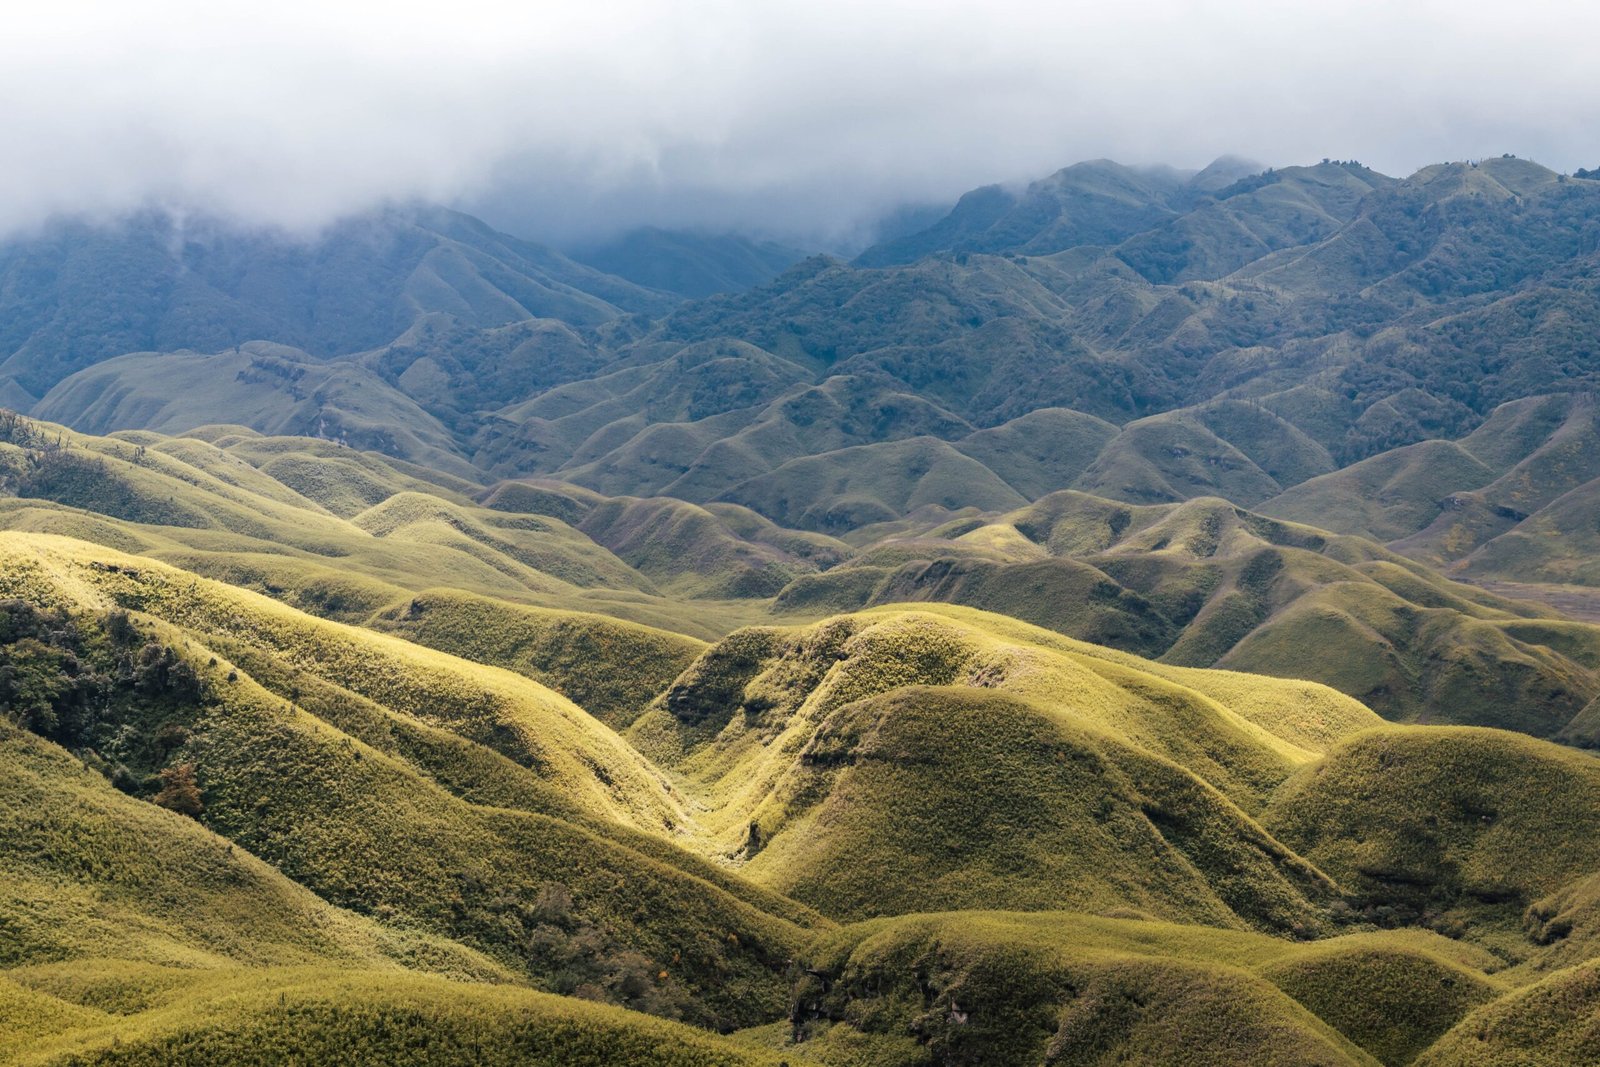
{"x":1050,"y":987}
{"x":901,"y":761}
{"x":1481,"y":832}
{"x":93,"y":874}
{"x":131,"y":935}
{"x":316,"y":1017}
{"x":896,"y":761}
{"x":438,"y":794}
{"x":1550,"y":1024}
{"x":1482,"y":836}
{"x":367,"y":530}
{"x":1205,"y":583}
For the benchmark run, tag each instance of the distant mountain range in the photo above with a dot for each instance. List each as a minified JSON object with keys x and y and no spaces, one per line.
{"x":690,"y":264}
{"x":78,"y":294}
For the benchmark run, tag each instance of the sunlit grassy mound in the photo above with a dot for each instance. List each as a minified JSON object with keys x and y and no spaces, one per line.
{"x":1551,"y":1024}
{"x":960,"y":798}
{"x":544,"y":545}
{"x":1207,"y":583}
{"x":91,"y":873}
{"x":689,"y":550}
{"x":1469,"y":825}
{"x":1005,"y":988}
{"x":527,"y":722}
{"x":1252,"y":593}
{"x":1243,"y":733}
{"x":873,"y":483}
{"x":343,"y":480}
{"x":611,"y":669}
{"x":1042,"y":771}
{"x":1423,"y":663}
{"x":327,"y":1017}
{"x":441,"y":795}
{"x":1062,"y":594}
{"x":1565,"y":924}
{"x":1392,"y":997}
{"x":165,"y":482}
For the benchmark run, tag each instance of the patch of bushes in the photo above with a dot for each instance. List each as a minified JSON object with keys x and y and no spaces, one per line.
{"x":98,"y":686}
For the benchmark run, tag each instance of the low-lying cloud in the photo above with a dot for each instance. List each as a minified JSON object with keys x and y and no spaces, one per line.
{"x":566,"y":121}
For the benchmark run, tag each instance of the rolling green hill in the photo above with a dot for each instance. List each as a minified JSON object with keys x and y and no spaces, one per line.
{"x":356,"y":537}
{"x":443,"y":796}
{"x":1062,"y":988}
{"x":328,"y":1016}
{"x":1073,"y":632}
{"x":1208,"y":584}
{"x":352,"y":841}
{"x":1471,"y":825}
{"x":812,"y":756}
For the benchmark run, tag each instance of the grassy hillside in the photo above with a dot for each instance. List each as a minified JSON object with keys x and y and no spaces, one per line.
{"x":1500,"y":502}
{"x":943,"y":798}
{"x":1165,"y":458}
{"x":134,"y":935}
{"x":1243,"y":220}
{"x":423,"y":790}
{"x":1053,"y":987}
{"x":77,"y":293}
{"x":359,"y":538}
{"x":316,"y":1016}
{"x":272,"y":388}
{"x":1464,"y":827}
{"x":1206,"y":583}
{"x":831,"y":781}
{"x":92,"y":873}
{"x":1547,"y":1024}
{"x":560,"y":649}
{"x":873,"y":483}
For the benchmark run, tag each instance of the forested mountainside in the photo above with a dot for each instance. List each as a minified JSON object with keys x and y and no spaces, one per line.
{"x":1138,"y":617}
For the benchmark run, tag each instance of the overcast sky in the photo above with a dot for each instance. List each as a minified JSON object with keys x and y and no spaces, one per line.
{"x":558,"y":120}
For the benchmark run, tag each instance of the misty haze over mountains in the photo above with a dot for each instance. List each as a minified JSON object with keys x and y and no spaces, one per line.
{"x":796,"y":122}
